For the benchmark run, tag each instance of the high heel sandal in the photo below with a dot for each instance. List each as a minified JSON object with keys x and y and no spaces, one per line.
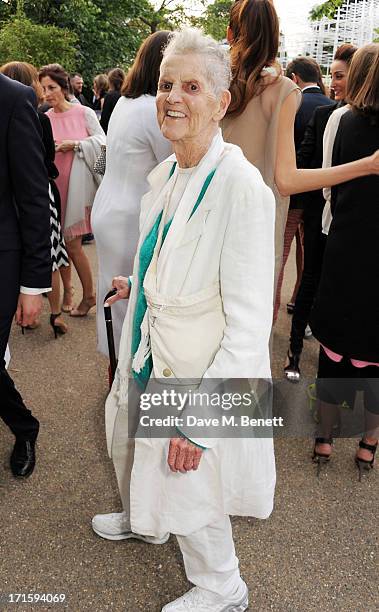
{"x":84,"y":307}
{"x":67,"y":307}
{"x":365,"y":464}
{"x":292,"y":370}
{"x":321,"y":458}
{"x":59,"y":328}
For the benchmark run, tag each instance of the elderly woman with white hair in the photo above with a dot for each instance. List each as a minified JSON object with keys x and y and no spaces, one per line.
{"x":200,"y":307}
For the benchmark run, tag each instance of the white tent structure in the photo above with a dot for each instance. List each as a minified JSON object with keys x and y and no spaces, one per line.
{"x":354,"y":22}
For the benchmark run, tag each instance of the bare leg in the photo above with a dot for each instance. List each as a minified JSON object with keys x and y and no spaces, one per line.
{"x":371,"y":434}
{"x":68,"y":290}
{"x":54,"y":295}
{"x":293,"y":220}
{"x":83,"y":268}
{"x":328,"y":419}
{"x":55,"y":300}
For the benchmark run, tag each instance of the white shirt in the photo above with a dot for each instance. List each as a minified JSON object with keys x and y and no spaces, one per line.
{"x":328,"y":144}
{"x":32,"y":291}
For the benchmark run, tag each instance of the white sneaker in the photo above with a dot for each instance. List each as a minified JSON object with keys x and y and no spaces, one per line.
{"x":199,"y":600}
{"x":116,"y":526}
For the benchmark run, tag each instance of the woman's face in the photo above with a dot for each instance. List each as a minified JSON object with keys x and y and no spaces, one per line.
{"x":188,"y":110}
{"x":339,"y":70}
{"x":54,"y":94}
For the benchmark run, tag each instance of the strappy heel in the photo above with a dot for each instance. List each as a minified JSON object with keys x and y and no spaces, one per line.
{"x":365,"y":464}
{"x":321,"y":458}
{"x":84,"y":307}
{"x":292,"y":370}
{"x":67,"y":305}
{"x":59,"y":328}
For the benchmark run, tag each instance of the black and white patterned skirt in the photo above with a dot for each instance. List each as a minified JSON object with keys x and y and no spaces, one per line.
{"x":59,"y":255}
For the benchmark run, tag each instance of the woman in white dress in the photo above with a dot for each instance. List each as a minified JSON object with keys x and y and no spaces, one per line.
{"x":135,"y":146}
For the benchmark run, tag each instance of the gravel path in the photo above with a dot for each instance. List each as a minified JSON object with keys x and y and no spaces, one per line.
{"x":316,"y":552}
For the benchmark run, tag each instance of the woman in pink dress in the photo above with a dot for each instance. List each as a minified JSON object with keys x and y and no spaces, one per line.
{"x":78,"y":136}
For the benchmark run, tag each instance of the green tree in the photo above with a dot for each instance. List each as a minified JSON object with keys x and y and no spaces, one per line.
{"x":377,"y":37}
{"x":23,"y":40}
{"x":108,"y":32}
{"x":215,"y":18}
{"x":327,"y":9}
{"x":167,"y":17}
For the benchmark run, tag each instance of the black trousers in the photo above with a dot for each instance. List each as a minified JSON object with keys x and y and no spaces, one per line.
{"x":314,"y":245}
{"x":12,"y":408}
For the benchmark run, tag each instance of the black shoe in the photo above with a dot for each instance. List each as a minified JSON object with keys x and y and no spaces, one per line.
{"x":321,"y":458}
{"x":290,"y":308}
{"x":23,"y":458}
{"x":365,"y":464}
{"x":292,"y":370}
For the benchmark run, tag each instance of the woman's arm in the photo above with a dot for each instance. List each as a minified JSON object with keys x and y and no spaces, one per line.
{"x":92,"y":123}
{"x":290,"y":180}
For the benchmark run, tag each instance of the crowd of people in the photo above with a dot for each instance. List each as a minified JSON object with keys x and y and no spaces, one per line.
{"x":213,"y":162}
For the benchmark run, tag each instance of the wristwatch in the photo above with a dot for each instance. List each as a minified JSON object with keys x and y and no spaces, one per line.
{"x":76,"y":146}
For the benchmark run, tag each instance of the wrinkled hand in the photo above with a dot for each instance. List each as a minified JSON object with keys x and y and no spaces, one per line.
{"x":374,"y":162}
{"x":65,"y":146}
{"x":121,"y":283}
{"x":29,"y":308}
{"x":183,"y":456}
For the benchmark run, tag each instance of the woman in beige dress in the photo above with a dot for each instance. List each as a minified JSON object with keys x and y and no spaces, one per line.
{"x":261,"y":116}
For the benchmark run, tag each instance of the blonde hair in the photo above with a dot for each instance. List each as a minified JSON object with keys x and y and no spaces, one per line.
{"x":363,"y":80}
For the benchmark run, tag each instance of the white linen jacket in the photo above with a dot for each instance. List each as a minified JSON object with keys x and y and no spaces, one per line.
{"x":228,"y":244}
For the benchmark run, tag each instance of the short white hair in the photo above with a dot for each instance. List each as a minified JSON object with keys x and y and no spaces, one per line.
{"x":216,"y":56}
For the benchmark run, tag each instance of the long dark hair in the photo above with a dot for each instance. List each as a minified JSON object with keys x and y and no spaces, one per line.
{"x":255,"y":28}
{"x":116,"y":78}
{"x":143,"y":76}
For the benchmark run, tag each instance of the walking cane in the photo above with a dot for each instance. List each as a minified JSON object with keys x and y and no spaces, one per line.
{"x":110,"y":337}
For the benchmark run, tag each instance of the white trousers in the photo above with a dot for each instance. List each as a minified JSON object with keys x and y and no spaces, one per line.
{"x":209,"y":555}
{"x":210,"y":560}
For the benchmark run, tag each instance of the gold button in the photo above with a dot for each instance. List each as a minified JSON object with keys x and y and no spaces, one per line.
{"x":167,"y":372}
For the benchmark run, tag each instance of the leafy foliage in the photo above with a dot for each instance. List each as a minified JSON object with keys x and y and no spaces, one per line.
{"x":23,"y":40}
{"x":327,"y":9}
{"x":215,"y":18}
{"x":104,"y":33}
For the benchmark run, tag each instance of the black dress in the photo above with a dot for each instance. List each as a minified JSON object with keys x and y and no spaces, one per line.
{"x":110,"y":101}
{"x":59,"y":255}
{"x":345,"y":315}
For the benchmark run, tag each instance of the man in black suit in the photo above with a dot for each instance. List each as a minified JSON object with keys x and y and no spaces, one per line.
{"x":306,"y":73}
{"x":309,"y":155}
{"x":76,"y":81}
{"x":25,"y":249}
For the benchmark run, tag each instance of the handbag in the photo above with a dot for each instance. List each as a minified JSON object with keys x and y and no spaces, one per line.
{"x":100,"y":163}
